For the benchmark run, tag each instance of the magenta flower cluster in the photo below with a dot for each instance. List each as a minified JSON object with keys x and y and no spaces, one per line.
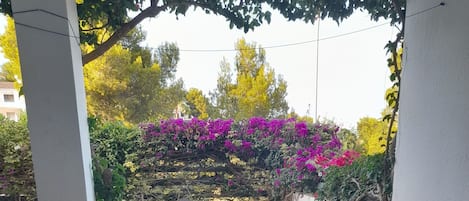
{"x":290,"y":145}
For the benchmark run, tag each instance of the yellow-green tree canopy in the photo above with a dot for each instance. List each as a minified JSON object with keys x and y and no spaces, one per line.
{"x":11,"y":69}
{"x":118,"y":88}
{"x":197,"y":103}
{"x":255,"y":91}
{"x":372,"y":134}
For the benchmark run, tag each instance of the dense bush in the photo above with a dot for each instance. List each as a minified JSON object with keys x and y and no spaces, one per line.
{"x":109,"y":181}
{"x":112,"y":144}
{"x":16,"y":168}
{"x":360,"y":181}
{"x":256,"y":157}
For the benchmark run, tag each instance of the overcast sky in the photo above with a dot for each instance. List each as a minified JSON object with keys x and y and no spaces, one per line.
{"x":352,"y":68}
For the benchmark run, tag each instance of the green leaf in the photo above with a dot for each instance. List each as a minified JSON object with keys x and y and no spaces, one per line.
{"x":392,"y":77}
{"x":268,"y":16}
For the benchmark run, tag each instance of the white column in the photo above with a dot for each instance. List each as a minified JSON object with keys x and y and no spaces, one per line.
{"x":47,"y":33}
{"x":433,"y":142}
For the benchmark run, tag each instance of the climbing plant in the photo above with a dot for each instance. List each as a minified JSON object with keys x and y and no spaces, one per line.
{"x":252,"y":158}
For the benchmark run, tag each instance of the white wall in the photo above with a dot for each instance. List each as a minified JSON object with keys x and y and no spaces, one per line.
{"x":433,"y":142}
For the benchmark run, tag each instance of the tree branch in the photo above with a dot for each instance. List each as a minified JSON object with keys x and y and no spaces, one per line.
{"x":356,"y":183}
{"x":97,"y":28}
{"x":151,"y":11}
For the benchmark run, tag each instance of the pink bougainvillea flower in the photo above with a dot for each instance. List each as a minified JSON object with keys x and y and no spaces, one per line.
{"x":310,"y":167}
{"x":321,"y":160}
{"x":301,"y":129}
{"x":277,"y":183}
{"x":212,"y":137}
{"x":300,"y":177}
{"x":246,"y":145}
{"x":299,"y":152}
{"x":158,"y":155}
{"x":302,"y":151}
{"x":230,"y":146}
{"x":316,"y":138}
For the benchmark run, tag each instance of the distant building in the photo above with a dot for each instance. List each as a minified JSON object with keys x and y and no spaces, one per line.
{"x":11,"y":104}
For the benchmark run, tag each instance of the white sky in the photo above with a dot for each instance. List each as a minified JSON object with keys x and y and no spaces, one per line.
{"x":352,"y":69}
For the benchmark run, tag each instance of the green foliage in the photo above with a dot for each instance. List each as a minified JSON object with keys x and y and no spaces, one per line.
{"x":16,"y":167}
{"x":128,"y":83}
{"x":239,"y":14}
{"x":350,"y":140}
{"x":224,"y":104}
{"x":125,"y":166}
{"x":114,"y":142}
{"x":256,"y":91}
{"x":109,"y":181}
{"x":114,"y":17}
{"x":167,"y":57}
{"x":115,"y":146}
{"x":132,"y":42}
{"x":119,"y":88}
{"x":115,"y":152}
{"x":358,"y":182}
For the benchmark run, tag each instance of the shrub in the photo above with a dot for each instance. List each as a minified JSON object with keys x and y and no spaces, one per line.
{"x":358,"y":182}
{"x":257,"y":157}
{"x":16,"y":167}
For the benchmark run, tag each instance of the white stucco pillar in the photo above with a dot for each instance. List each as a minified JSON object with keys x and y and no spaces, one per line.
{"x":432,"y":161}
{"x":47,"y":33}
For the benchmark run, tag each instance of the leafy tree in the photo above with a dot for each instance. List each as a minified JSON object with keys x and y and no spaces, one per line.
{"x":167,"y":56}
{"x":11,"y":69}
{"x":256,"y":91}
{"x":223,"y":102}
{"x":198,"y":103}
{"x":121,"y":89}
{"x":115,"y":18}
{"x":132,"y":41}
{"x":129,"y":83}
{"x":372,"y":132}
